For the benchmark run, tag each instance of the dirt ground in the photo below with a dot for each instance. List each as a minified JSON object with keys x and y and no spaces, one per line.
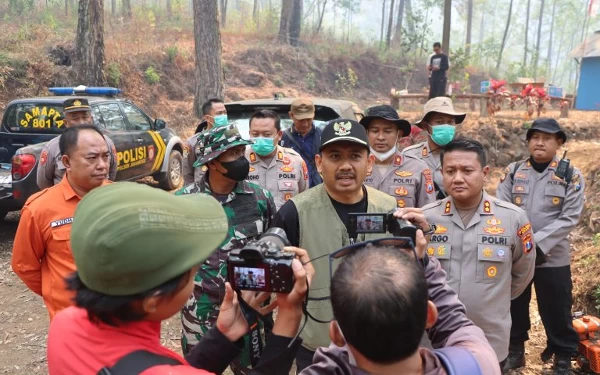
{"x":24,"y":320}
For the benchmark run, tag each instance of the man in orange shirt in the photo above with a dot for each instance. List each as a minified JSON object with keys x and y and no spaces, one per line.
{"x":41,"y":252}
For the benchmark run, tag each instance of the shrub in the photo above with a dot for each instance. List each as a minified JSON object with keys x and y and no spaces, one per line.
{"x":151,"y":76}
{"x":114,"y":74}
{"x":172,"y":53}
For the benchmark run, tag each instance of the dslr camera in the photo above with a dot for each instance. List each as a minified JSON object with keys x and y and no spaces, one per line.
{"x":381,"y":223}
{"x":262,"y":265}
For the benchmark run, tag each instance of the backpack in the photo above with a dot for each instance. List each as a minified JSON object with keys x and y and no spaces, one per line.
{"x":456,"y":361}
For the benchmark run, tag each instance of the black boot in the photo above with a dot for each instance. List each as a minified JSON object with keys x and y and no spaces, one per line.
{"x":562,"y":365}
{"x":516,"y":357}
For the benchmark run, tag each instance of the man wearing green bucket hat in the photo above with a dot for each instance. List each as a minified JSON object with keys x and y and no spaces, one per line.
{"x":249,"y":209}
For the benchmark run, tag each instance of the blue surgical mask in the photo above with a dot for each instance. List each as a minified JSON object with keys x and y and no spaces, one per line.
{"x":221,"y":120}
{"x":442,"y":134}
{"x":263,"y":146}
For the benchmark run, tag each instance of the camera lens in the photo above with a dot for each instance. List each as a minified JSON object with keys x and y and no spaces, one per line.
{"x":276,"y":236}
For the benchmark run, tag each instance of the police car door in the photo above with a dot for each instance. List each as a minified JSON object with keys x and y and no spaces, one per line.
{"x":109,"y":117}
{"x":150,"y":149}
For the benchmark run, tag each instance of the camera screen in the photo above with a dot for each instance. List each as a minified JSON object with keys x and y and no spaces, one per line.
{"x":249,"y":278}
{"x":370,"y":223}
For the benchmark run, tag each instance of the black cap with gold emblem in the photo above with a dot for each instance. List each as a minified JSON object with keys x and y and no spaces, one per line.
{"x":344,"y":130}
{"x":76,"y":105}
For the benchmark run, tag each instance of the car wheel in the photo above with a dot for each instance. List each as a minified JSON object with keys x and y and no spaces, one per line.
{"x":173,"y":178}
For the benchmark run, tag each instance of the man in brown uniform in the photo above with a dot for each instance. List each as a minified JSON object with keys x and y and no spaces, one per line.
{"x":406,"y":178}
{"x":280,"y":170}
{"x":439,"y":121}
{"x":484,"y":244}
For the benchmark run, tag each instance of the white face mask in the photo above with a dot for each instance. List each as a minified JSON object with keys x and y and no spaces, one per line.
{"x":383,"y":156}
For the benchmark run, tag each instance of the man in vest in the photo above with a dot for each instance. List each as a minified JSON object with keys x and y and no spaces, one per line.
{"x":484,"y":244}
{"x":439,"y":121}
{"x":317,"y":219}
{"x":280,"y":170}
{"x":554,"y":201}
{"x":406,"y":178}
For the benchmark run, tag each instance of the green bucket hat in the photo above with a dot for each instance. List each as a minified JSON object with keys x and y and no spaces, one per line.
{"x":128,"y":238}
{"x":216,"y":141}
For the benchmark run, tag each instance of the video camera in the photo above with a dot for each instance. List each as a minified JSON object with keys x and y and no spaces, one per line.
{"x":381,"y":223}
{"x":262,"y":265}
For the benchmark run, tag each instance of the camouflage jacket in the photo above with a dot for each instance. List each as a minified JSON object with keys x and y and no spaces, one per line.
{"x":250,"y":210}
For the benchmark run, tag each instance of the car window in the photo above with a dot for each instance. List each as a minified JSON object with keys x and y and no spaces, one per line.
{"x":111,"y":116}
{"x":136,"y":118}
{"x":35,"y":118}
{"x":97,"y":116}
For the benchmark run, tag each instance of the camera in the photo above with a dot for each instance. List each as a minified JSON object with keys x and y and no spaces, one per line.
{"x":381,"y":223}
{"x":262,"y":265}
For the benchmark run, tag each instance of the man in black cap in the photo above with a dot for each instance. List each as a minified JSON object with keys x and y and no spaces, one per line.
{"x":50,"y":168}
{"x":406,"y":178}
{"x":551,"y":191}
{"x":318,"y":217}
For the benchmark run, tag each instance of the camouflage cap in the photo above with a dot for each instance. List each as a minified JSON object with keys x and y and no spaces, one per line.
{"x":76,"y":105}
{"x":216,"y":141}
{"x":128,"y":238}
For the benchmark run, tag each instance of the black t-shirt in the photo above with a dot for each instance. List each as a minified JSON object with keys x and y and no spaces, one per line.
{"x":287,"y":216}
{"x":441,"y":61}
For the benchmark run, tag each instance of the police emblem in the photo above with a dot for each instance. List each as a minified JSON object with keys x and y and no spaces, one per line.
{"x":286,"y":160}
{"x":441,"y":251}
{"x":342,"y":128}
{"x":403,"y":173}
{"x":447,"y":208}
{"x":44,"y":157}
{"x":287,"y":168}
{"x":492,"y":271}
{"x":440,"y":229}
{"x":494,"y":221}
{"x":554,"y":164}
{"x":430,"y":251}
{"x":518,"y":200}
{"x":204,"y":168}
{"x":398,"y":160}
{"x":556,"y":201}
{"x":280,"y":155}
{"x":251,"y":169}
{"x":487,"y":208}
{"x":151,"y":153}
{"x":76,"y":103}
{"x":287,"y":196}
{"x":493,"y":230}
{"x":401,"y":191}
{"x":401,"y":203}
{"x":527,"y":243}
{"x":429,"y":187}
{"x":252,"y":157}
{"x":487,"y":252}
{"x":500,"y":253}
{"x":424,"y":152}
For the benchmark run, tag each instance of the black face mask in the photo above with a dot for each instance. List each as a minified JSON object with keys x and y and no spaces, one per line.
{"x":238,"y":169}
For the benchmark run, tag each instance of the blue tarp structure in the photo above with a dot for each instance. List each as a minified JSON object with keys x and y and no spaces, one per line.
{"x":588,"y":87}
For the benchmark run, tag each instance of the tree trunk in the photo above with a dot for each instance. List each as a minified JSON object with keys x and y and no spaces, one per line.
{"x":549,"y":62}
{"x":296,"y":22}
{"x":538,"y":40}
{"x":505,"y":35}
{"x":469,"y":27}
{"x":447,"y":23}
{"x":284,"y":20}
{"x":89,"y":52}
{"x":209,"y":72}
{"x":388,"y":39}
{"x":410,"y":20}
{"x":482,"y":22}
{"x":526,"y":34}
{"x":255,"y":14}
{"x":382,"y":24}
{"x":321,"y":15}
{"x":223,"y":9}
{"x":113,"y":8}
{"x":399,"y":17}
{"x":127,"y":9}
{"x":169,"y":9}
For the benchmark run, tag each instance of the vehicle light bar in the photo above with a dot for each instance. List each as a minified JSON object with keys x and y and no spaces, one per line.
{"x":103,"y":91}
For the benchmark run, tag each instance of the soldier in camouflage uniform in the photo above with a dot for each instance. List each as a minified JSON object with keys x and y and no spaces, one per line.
{"x":249,"y":209}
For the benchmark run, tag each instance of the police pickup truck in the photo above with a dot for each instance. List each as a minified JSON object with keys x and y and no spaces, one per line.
{"x":145,"y":147}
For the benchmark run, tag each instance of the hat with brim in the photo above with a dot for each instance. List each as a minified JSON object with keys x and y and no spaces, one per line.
{"x":344,"y":130}
{"x":442,"y":105}
{"x":216,"y":141}
{"x":388,"y":113}
{"x":144,"y":238}
{"x":546,"y":125}
{"x":76,"y":105}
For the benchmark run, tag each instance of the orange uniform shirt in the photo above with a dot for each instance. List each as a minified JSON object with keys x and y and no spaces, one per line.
{"x":41,"y":254}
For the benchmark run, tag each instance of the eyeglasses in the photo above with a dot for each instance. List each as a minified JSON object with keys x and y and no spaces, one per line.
{"x":401,"y":243}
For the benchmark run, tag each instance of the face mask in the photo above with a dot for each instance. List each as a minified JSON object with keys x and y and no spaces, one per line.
{"x":383,"y":156}
{"x":442,"y":134}
{"x":220,"y":120}
{"x":263,"y":146}
{"x":238,"y":169}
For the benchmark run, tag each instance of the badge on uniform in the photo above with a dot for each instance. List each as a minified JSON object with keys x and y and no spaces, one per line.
{"x":501,"y":253}
{"x":287,"y":168}
{"x":61,"y":222}
{"x":252,"y":157}
{"x":527,"y":242}
{"x":287,"y":196}
{"x":398,"y":160}
{"x":556,"y":201}
{"x":447,"y":208}
{"x":505,"y":173}
{"x":492,"y":271}
{"x":204,"y":168}
{"x":441,"y":251}
{"x":151,"y":153}
{"x":494,"y":226}
{"x":424,"y":152}
{"x":487,"y":208}
{"x":440,"y":229}
{"x":304,"y":170}
{"x":401,"y":191}
{"x":44,"y":157}
{"x":280,"y":155}
{"x":524,"y":229}
{"x":430,"y":251}
{"x":403,"y":173}
{"x":286,"y":160}
{"x":251,"y":170}
{"x":401,"y":203}
{"x":520,"y":175}
{"x":487,"y":252}
{"x":554,"y":164}
{"x":518,"y":200}
{"x":342,"y":128}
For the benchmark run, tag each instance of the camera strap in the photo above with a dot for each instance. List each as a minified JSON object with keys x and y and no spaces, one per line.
{"x":255,"y":343}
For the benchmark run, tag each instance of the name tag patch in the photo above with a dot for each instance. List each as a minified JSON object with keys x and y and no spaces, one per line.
{"x":61,"y":222}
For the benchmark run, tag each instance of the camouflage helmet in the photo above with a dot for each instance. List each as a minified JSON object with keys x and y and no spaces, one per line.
{"x":216,"y":141}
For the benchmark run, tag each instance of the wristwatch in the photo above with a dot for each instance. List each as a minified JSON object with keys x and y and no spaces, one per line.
{"x":432,"y":229}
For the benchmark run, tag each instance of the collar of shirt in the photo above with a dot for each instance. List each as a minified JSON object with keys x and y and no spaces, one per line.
{"x":241,"y":187}
{"x":68,"y":191}
{"x":309,"y":134}
{"x":279,"y":156}
{"x":552,"y":166}
{"x":485,"y":206}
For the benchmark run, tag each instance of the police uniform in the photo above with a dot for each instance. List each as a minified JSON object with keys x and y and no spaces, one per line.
{"x":285,"y":176}
{"x":423,"y":152}
{"x":554,"y":207}
{"x":190,"y":152}
{"x":407,"y":179}
{"x":489,"y":262}
{"x":51,"y":169}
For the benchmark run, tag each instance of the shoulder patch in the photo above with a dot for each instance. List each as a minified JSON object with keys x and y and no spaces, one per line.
{"x":431,"y":205}
{"x":507,"y":205}
{"x":43,"y":157}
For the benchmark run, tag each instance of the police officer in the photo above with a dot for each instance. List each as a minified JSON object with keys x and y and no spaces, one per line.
{"x":554,"y":201}
{"x":50,"y":167}
{"x":214,"y":114}
{"x":439,"y":121}
{"x":280,"y":170}
{"x":249,"y":210}
{"x":406,"y":178}
{"x":484,"y":244}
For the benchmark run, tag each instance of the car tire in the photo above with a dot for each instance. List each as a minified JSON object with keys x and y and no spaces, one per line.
{"x":173,"y":178}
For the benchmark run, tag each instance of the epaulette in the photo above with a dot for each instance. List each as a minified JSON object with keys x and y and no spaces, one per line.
{"x":432,"y":205}
{"x":413,"y":147}
{"x":507,"y":205}
{"x":291,"y":151}
{"x":37,"y":195}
